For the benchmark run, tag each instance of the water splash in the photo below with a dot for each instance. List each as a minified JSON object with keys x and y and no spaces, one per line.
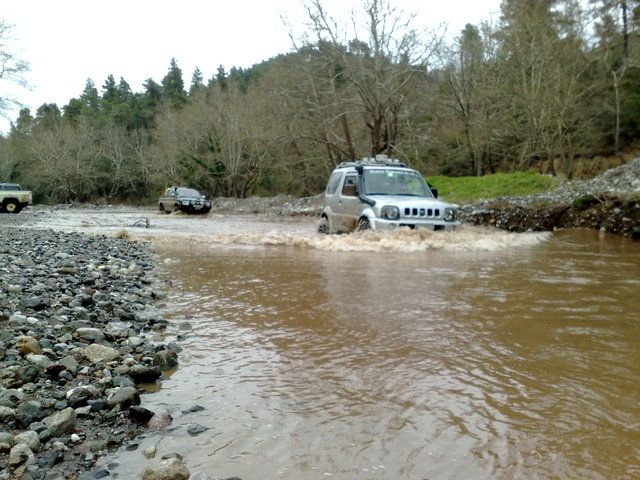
{"x":402,"y":240}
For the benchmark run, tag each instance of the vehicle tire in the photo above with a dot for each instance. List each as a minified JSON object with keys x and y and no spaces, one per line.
{"x":11,"y":206}
{"x":363,"y":224}
{"x":324,"y":226}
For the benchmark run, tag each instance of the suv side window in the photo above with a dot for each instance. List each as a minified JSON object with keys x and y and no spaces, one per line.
{"x":333,"y":183}
{"x":349,"y":188}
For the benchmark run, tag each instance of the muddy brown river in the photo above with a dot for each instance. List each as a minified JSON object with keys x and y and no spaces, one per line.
{"x":475,"y":354}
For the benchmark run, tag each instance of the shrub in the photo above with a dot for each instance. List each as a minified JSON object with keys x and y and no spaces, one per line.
{"x":584,"y":201}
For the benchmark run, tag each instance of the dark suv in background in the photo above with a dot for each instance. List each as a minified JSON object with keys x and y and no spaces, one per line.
{"x":184,"y":199}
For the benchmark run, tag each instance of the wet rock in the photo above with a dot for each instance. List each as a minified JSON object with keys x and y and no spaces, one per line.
{"x":140,"y":415}
{"x":61,"y":422}
{"x":124,"y":396}
{"x":195,"y":429}
{"x":165,"y":360}
{"x":192,"y":409}
{"x":144,"y":374}
{"x":160,"y":421}
{"x":171,"y":469}
{"x":102,"y":473}
{"x":150,"y":452}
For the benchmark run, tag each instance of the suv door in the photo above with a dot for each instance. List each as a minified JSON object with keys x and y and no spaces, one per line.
{"x":168,"y":200}
{"x":349,"y":203}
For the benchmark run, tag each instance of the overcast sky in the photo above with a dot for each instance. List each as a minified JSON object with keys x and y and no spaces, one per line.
{"x":68,"y":41}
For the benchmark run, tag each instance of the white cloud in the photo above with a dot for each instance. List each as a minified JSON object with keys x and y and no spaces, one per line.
{"x":68,"y":41}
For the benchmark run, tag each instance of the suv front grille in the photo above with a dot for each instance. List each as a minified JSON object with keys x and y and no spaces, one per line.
{"x":421,"y":212}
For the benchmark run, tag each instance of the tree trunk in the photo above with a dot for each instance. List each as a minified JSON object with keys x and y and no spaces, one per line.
{"x":347,"y":136}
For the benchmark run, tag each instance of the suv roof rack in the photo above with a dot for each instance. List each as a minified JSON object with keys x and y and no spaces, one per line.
{"x":383,"y":160}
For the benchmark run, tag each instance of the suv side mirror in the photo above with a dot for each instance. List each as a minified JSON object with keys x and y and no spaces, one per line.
{"x":434,"y":191}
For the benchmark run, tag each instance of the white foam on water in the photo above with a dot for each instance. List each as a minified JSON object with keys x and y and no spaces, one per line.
{"x":402,"y":240}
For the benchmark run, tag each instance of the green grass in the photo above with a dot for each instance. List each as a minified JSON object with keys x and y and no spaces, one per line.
{"x":470,"y":189}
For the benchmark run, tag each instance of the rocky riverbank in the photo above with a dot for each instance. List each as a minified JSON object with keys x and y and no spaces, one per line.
{"x":76,"y":350}
{"x":609,"y":202}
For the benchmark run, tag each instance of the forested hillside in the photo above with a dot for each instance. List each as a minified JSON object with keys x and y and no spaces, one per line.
{"x":548,"y":82}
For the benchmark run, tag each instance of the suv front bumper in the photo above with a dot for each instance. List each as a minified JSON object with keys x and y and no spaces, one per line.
{"x":388,"y":225}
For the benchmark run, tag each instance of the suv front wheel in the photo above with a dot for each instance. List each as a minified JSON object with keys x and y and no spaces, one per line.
{"x":324,"y":226}
{"x":11,"y":206}
{"x":363,"y":224}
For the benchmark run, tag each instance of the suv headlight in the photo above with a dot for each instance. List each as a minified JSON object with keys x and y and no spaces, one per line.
{"x":390,"y":212}
{"x":185,"y":202}
{"x":449,"y":214}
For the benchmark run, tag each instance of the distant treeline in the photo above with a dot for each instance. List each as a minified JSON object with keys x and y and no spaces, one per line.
{"x":548,"y":82}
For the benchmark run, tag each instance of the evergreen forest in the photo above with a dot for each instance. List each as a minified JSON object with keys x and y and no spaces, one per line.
{"x":546,"y":83}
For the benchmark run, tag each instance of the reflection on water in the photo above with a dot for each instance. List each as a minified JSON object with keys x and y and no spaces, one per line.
{"x":516,"y":361}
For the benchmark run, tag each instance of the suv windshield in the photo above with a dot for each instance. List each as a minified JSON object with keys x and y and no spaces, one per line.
{"x":188,"y":192}
{"x":395,"y":182}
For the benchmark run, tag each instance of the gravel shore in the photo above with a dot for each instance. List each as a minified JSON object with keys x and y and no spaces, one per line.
{"x":76,"y":349}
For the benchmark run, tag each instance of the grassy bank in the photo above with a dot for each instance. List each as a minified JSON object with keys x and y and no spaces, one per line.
{"x":470,"y":189}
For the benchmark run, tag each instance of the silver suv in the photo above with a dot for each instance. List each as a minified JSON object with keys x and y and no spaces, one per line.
{"x":382,"y":194}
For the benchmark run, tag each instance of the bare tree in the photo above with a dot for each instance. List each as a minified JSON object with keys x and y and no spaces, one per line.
{"x":373,"y":67}
{"x":63,"y":162}
{"x":468,"y":90}
{"x":543,"y":66}
{"x":11,"y":67}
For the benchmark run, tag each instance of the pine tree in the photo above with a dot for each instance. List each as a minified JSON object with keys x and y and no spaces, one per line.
{"x":173,"y":86}
{"x":196,"y":82}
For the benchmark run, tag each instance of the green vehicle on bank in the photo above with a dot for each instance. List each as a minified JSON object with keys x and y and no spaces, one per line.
{"x":12,"y":198}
